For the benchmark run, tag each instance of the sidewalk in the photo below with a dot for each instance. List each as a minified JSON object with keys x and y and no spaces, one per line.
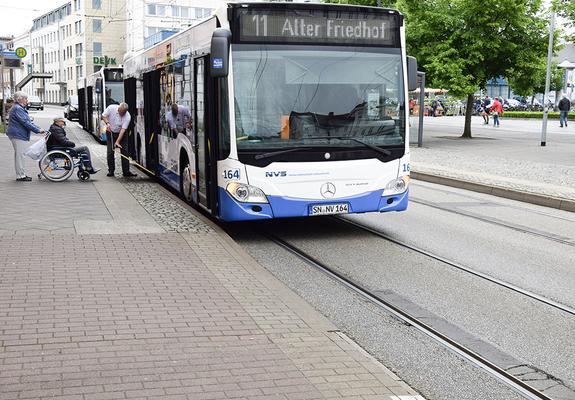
{"x":113,"y":289}
{"x":507,"y":161}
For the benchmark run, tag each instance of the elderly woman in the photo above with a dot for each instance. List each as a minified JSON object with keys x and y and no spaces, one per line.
{"x":19,"y":127}
{"x":58,"y":140}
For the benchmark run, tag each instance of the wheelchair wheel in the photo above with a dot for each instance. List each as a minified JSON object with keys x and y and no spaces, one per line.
{"x":83,"y":176}
{"x":56,"y":166}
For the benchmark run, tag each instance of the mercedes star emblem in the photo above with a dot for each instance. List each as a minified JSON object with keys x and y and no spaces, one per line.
{"x":327,"y":190}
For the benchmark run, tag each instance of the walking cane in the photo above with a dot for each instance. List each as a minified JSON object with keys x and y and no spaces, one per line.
{"x":130,"y":159}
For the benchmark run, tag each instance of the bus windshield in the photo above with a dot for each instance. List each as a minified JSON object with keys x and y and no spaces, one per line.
{"x":114,"y":93}
{"x":295,"y":96}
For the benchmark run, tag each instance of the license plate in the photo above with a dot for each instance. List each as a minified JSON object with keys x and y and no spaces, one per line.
{"x":328,"y":209}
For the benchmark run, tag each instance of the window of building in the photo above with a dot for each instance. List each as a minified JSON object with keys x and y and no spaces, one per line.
{"x":96,"y":4}
{"x":183,"y":12}
{"x":79,"y":71}
{"x":156,"y":9}
{"x":97,"y":49}
{"x":152,"y":30}
{"x":78,"y":27}
{"x":79,"y":50}
{"x":97,"y":68}
{"x":96,"y":25}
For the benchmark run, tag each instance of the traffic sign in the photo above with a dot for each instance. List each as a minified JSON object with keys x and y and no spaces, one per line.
{"x":21,"y":52}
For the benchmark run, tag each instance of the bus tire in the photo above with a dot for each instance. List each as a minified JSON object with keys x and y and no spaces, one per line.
{"x":186,"y":184}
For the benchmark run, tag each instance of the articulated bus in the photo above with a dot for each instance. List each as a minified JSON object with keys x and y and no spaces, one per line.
{"x":270,"y":110}
{"x":95,"y":93}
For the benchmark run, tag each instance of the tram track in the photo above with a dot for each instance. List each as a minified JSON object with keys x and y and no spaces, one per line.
{"x":461,"y":267}
{"x":497,"y":222}
{"x":512,"y":381}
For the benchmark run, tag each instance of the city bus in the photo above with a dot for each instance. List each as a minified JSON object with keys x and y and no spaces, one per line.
{"x":95,"y":93}
{"x":273,"y":110}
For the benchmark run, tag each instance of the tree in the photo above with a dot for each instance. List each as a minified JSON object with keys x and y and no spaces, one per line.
{"x":462,"y":44}
{"x":566,"y":9}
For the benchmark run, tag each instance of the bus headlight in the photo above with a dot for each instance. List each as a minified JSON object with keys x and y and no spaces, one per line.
{"x":246,"y":193}
{"x":396,"y":186}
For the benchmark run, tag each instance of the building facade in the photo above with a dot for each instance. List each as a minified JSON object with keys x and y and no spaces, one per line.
{"x":75,"y":40}
{"x":151,"y":21}
{"x":18,"y":74}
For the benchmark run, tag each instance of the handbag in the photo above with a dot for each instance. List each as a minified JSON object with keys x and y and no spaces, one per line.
{"x":37,"y":150}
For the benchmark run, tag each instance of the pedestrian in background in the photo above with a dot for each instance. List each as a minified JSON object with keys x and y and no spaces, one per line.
{"x":117,"y":119}
{"x":496,"y":110}
{"x":564,"y":107}
{"x":19,"y":127}
{"x":485,"y":113}
{"x":434,"y":105}
{"x":7,"y":107}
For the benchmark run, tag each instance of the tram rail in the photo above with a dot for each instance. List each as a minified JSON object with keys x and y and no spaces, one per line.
{"x":521,"y":387}
{"x":459,"y":266}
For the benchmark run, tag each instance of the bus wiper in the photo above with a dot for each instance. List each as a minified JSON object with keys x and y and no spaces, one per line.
{"x":374,"y":148}
{"x":276,"y":153}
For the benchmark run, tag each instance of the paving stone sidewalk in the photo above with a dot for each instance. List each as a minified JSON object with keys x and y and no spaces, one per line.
{"x":112,"y":289}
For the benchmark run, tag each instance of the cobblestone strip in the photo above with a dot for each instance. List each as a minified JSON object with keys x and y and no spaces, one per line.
{"x":169,"y":214}
{"x":337,"y":369}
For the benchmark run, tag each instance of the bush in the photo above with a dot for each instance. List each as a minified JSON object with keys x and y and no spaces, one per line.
{"x":535,"y":114}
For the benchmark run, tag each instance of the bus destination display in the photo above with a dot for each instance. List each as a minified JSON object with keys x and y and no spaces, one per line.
{"x":286,"y":27}
{"x":113,"y":75}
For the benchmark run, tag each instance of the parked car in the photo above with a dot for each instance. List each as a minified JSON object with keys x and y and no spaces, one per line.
{"x":71,"y":108}
{"x":35,"y":102}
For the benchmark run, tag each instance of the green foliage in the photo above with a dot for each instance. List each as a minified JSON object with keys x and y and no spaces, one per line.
{"x":535,"y":115}
{"x":462,"y":44}
{"x":532,"y":79}
{"x":566,"y":9}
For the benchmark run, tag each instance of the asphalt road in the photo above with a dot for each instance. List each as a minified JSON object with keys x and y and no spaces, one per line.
{"x":503,"y":322}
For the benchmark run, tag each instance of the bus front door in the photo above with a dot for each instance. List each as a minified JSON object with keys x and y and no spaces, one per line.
{"x":206,"y":162}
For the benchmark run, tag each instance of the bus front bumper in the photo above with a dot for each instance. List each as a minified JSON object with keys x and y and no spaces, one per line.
{"x":286,"y":207}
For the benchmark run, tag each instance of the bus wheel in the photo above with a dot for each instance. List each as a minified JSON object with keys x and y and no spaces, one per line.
{"x":186,"y":184}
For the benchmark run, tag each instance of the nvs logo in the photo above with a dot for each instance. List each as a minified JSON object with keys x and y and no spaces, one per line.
{"x":273,"y":174}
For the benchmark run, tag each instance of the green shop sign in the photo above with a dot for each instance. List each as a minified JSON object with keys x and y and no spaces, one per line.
{"x":105,"y":60}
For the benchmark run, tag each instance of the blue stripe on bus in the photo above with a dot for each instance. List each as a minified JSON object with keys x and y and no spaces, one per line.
{"x":169,"y":176}
{"x":283,"y":207}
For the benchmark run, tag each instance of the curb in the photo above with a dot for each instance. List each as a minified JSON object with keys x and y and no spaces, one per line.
{"x":526,"y":197}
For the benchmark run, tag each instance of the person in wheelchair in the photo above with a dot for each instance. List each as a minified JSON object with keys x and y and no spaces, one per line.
{"x":58,"y":141}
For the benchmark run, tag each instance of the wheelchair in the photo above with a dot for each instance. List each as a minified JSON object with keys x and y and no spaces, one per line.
{"x":57,"y":165}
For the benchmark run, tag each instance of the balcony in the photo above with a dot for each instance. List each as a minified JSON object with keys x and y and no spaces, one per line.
{"x":158,"y":37}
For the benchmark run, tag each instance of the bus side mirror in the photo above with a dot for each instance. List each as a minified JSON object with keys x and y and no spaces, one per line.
{"x":220,"y":53}
{"x":411,"y":73}
{"x":98,"y":86}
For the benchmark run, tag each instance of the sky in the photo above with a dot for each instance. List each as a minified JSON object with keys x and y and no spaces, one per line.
{"x":16,"y":16}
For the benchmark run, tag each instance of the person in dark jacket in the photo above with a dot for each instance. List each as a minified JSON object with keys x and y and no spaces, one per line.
{"x":564,"y":107}
{"x":58,"y":140}
{"x":19,"y":127}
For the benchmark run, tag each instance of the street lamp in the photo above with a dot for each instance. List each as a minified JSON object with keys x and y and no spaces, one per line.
{"x":547,"y":80}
